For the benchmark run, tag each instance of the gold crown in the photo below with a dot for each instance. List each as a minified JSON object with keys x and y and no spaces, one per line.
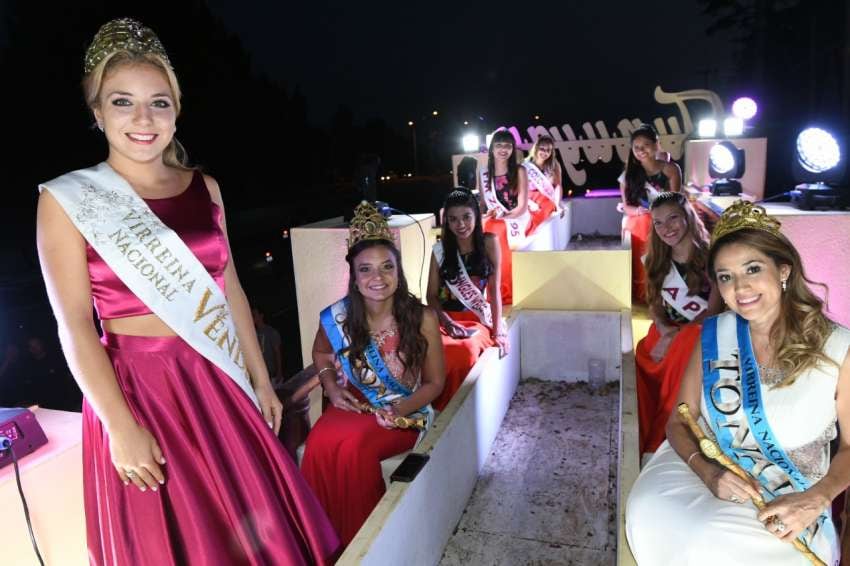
{"x":742,"y":215}
{"x":368,"y":224}
{"x":123,"y":34}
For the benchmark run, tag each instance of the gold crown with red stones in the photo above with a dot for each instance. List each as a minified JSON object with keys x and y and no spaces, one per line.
{"x":368,"y":224}
{"x":123,"y":34}
{"x":742,"y":215}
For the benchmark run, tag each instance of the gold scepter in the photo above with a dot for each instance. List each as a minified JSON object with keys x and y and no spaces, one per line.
{"x":398,"y":421}
{"x":712,"y":451}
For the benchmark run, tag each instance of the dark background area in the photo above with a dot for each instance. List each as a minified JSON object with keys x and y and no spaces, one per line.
{"x":283,"y":100}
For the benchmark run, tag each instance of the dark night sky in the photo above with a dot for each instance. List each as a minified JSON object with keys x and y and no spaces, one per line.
{"x":570,"y":61}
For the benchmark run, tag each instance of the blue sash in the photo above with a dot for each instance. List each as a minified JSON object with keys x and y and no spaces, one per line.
{"x":735,"y":413}
{"x":375,"y":382}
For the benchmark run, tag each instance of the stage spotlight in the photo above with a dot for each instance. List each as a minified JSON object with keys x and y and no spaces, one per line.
{"x":818,"y":164}
{"x":733,"y":126}
{"x":471,"y":143}
{"x":726,"y":164}
{"x":744,"y":108}
{"x":707,"y":128}
{"x":817,"y":150}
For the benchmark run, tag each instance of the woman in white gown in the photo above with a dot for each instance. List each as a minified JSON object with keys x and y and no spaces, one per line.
{"x":769,"y":381}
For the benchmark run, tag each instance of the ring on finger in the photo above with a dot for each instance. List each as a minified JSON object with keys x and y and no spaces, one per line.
{"x":780,"y":526}
{"x":735,"y":499}
{"x":130,"y":474}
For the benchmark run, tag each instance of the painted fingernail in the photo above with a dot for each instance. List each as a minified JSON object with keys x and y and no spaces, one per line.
{"x":161,"y":482}
{"x":153,"y":488}
{"x":126,"y":482}
{"x":162,"y":461}
{"x":143,"y":488}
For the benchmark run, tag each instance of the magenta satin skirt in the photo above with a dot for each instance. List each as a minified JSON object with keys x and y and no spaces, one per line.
{"x":232,"y":494}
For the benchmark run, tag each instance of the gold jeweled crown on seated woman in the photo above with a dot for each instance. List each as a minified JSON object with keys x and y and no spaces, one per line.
{"x":123,"y":34}
{"x":742,"y":215}
{"x":368,"y":224}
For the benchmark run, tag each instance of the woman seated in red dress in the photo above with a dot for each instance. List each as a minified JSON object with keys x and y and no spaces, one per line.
{"x":680,"y":295}
{"x":544,"y":182}
{"x":380,"y":363}
{"x":504,"y":194}
{"x":644,"y":177}
{"x":463,"y":287}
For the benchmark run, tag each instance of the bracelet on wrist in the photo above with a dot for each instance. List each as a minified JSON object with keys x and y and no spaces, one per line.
{"x":323,"y":370}
{"x":691,"y":457}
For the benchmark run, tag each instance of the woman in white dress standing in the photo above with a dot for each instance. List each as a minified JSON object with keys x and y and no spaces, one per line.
{"x":769,"y":382}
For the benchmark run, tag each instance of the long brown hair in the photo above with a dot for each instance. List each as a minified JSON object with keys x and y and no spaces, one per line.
{"x":407,"y":313}
{"x":503,"y":136}
{"x":174,"y":154}
{"x":802,"y":329}
{"x":635,"y":174}
{"x":659,"y":258}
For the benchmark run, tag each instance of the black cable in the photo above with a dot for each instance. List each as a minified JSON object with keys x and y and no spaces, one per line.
{"x":424,"y":245}
{"x":780,"y":195}
{"x":25,"y":506}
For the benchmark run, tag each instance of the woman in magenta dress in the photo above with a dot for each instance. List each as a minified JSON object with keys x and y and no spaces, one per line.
{"x":181,"y":460}
{"x":504,"y":195}
{"x":463,"y":288}
{"x":379,"y":358}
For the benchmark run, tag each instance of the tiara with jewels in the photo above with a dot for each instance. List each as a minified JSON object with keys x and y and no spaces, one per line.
{"x":124,"y":34}
{"x":368,"y":224}
{"x":742,"y":215}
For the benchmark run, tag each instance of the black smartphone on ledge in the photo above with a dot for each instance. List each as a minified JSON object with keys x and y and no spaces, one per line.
{"x":409,"y":467}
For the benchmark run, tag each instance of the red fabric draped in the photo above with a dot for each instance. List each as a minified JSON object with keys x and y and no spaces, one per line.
{"x":657,"y":383}
{"x":342,"y":463}
{"x":461,"y":354}
{"x":498,"y":228}
{"x":547,"y":207}
{"x":639,"y":227}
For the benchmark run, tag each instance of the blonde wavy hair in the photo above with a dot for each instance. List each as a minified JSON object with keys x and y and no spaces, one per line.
{"x":174,"y":154}
{"x":802,"y":329}
{"x":659,"y":257}
{"x":551,"y":165}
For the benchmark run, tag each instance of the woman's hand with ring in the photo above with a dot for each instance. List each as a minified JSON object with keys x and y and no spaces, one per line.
{"x":789,"y":515}
{"x":137,"y":457}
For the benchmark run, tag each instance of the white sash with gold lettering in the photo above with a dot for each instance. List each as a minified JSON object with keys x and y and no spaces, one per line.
{"x":674,"y":291}
{"x":539,"y":181}
{"x":516,"y":227}
{"x":153,"y":262}
{"x":465,"y":290}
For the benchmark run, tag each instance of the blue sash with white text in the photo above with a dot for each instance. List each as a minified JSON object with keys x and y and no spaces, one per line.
{"x":375,"y":382}
{"x":735,"y":413}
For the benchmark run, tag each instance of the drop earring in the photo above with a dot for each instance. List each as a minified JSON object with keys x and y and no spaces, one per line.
{"x":100,"y":126}
{"x":784,"y":285}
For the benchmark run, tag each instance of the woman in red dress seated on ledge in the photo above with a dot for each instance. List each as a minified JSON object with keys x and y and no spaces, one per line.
{"x":379,"y":358}
{"x":504,"y":195}
{"x":544,"y":182}
{"x":643,"y":178}
{"x":680,"y":295}
{"x":463,"y":287}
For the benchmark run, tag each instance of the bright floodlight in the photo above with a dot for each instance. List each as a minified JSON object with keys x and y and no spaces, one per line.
{"x":721,"y":159}
{"x":471,"y":142}
{"x":744,"y":108}
{"x":707,"y":128}
{"x":817,"y":150}
{"x":733,"y":126}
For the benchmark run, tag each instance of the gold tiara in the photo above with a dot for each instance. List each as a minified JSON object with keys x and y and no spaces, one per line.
{"x":123,"y":34}
{"x":742,"y":215}
{"x":368,"y":224}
